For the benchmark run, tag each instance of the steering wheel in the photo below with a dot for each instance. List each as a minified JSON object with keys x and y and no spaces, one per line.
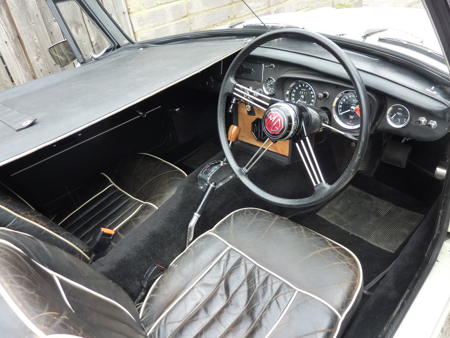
{"x":286,"y":121}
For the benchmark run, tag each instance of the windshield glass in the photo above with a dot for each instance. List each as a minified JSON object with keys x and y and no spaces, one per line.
{"x":400,"y":25}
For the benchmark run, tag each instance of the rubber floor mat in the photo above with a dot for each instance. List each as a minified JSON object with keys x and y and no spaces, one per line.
{"x":377,"y":221}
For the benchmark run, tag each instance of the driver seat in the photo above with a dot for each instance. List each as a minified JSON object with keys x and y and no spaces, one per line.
{"x":253,"y":274}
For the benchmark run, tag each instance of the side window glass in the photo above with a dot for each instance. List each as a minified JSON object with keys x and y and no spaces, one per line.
{"x":88,"y":36}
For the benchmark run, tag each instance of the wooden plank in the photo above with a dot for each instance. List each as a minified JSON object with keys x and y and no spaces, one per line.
{"x":98,"y":40}
{"x":34,"y":35}
{"x":73,"y":15}
{"x":245,"y":123}
{"x":12,"y":49}
{"x":5,"y":79}
{"x":52,"y":27}
{"x":119,"y":11}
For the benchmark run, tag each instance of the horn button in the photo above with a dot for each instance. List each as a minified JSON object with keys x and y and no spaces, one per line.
{"x":281,"y":121}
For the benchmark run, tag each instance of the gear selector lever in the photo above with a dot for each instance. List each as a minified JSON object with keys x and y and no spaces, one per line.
{"x":214,"y":175}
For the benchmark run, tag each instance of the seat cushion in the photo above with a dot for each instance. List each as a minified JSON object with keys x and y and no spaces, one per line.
{"x":16,"y":215}
{"x":126,"y":196}
{"x":255,"y":274}
{"x":46,"y":291}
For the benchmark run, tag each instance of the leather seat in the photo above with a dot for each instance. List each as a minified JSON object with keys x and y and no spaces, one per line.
{"x":253,"y":274}
{"x":123,"y":199}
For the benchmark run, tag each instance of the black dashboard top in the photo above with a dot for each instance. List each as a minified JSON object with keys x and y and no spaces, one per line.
{"x":403,"y":102}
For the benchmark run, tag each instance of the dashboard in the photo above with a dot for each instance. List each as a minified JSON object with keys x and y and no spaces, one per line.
{"x":390,"y":112}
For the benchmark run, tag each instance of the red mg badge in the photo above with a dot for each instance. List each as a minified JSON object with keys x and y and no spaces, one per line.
{"x":274,"y":123}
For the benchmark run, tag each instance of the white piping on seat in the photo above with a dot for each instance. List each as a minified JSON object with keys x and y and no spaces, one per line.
{"x":340,"y":316}
{"x":126,"y":193}
{"x":46,"y":229}
{"x":144,"y":303}
{"x":166,"y":162}
{"x":324,"y":302}
{"x":18,"y":196}
{"x":69,"y":281}
{"x":210,"y":266}
{"x":82,"y":205}
{"x":171,"y":264}
{"x":282,"y":314}
{"x":128,"y":218}
{"x":14,"y":307}
{"x":63,"y":294}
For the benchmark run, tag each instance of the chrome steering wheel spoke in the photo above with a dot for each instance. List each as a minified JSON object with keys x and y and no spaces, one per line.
{"x":257,"y":156}
{"x":252,"y":97}
{"x":309,"y":159}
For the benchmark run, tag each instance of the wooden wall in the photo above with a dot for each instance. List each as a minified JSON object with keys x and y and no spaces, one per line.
{"x":27,"y":29}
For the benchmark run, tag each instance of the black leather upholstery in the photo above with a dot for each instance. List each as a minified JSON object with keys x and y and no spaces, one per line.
{"x":45,"y":291}
{"x":126,"y":197}
{"x":254,"y":274}
{"x":129,"y":194}
{"x":16,"y":215}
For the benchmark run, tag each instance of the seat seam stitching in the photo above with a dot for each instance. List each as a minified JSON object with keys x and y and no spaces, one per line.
{"x":66,"y":279}
{"x":263,"y":310}
{"x":83,"y":204}
{"x":166,"y":162}
{"x":246,"y":305}
{"x":286,"y":309}
{"x":54,"y":234}
{"x":324,"y":302}
{"x":178,"y":299}
{"x":197,"y":307}
{"x":229,"y":299}
{"x":127,"y":193}
{"x":128,"y":218}
{"x":94,"y":223}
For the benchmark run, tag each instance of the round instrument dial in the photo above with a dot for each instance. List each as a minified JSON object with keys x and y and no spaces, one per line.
{"x":398,"y":116}
{"x":346,"y":110}
{"x":301,"y":92}
{"x":269,"y":86}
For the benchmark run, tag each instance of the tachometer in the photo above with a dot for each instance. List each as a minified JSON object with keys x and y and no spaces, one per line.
{"x":346,"y":110}
{"x":301,"y":92}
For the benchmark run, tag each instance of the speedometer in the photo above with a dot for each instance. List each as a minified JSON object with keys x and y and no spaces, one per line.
{"x":301,"y":92}
{"x":346,"y":110}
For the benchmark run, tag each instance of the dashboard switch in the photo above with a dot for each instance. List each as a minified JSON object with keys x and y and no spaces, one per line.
{"x":432,"y":124}
{"x":422,"y":121}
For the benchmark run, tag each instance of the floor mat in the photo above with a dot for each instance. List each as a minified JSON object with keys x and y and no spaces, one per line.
{"x":375,"y":220}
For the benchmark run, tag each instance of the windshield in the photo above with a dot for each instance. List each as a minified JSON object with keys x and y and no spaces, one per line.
{"x":400,"y":25}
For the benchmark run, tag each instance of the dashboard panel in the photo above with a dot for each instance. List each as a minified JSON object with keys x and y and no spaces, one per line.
{"x":336,"y":97}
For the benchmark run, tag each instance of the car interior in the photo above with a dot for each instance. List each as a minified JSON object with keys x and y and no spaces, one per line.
{"x":147,"y":210}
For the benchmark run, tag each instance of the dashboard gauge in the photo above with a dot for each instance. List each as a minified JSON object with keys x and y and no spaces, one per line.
{"x":301,"y":92}
{"x":269,"y":86}
{"x":346,"y":110}
{"x":398,"y":116}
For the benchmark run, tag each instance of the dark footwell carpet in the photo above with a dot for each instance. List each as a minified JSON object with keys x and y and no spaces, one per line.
{"x":373,"y":259}
{"x":373,"y":219}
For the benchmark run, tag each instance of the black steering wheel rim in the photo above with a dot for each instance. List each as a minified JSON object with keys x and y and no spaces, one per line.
{"x":322,"y":192}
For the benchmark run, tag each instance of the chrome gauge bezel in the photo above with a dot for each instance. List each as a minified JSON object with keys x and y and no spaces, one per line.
{"x":336,"y":115}
{"x":287,"y":95}
{"x":391,"y":123}
{"x":264,"y":87}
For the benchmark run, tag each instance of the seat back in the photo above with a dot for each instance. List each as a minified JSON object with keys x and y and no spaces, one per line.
{"x":44,"y":291}
{"x":16,"y":215}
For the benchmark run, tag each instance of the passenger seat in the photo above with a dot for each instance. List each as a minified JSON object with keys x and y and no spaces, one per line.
{"x":127,"y":195}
